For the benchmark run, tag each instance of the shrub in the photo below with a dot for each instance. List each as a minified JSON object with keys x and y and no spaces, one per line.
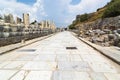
{"x":113,"y":9}
{"x":84,"y":17}
{"x":72,"y":26}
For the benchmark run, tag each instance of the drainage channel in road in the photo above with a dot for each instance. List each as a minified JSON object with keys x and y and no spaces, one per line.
{"x":27,"y":50}
{"x":71,"y":48}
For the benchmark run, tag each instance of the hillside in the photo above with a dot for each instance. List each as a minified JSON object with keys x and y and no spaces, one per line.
{"x":111,"y":9}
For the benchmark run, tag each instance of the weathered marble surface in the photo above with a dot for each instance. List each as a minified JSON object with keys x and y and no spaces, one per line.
{"x":52,"y":61}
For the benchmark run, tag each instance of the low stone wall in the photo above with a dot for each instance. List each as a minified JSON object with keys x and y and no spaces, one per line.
{"x":17,"y":39}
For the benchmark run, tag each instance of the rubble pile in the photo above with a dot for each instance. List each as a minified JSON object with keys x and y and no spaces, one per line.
{"x":104,"y":37}
{"x":104,"y":32}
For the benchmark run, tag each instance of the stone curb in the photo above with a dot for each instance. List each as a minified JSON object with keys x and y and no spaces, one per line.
{"x":12,"y":47}
{"x":109,"y":54}
{"x":113,"y":56}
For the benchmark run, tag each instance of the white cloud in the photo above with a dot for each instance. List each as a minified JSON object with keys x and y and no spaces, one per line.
{"x":17,"y":8}
{"x":38,"y":9}
{"x":61,"y":11}
{"x":87,"y":6}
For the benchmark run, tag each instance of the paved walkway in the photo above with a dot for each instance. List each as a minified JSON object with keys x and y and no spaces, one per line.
{"x":11,"y":47}
{"x":111,"y":52}
{"x":50,"y":60}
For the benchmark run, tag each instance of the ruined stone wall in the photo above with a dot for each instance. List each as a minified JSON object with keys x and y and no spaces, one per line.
{"x":17,"y":39}
{"x":106,"y":23}
{"x":102,"y":31}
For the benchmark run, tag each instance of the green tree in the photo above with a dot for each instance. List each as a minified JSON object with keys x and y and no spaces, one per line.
{"x":113,"y":9}
{"x":72,"y":26}
{"x":84,"y":17}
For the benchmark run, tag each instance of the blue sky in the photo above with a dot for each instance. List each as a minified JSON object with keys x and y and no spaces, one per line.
{"x":75,"y":2}
{"x":30,"y":2}
{"x":62,"y":12}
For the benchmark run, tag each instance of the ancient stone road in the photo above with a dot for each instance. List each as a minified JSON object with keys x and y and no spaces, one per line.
{"x":50,"y":60}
